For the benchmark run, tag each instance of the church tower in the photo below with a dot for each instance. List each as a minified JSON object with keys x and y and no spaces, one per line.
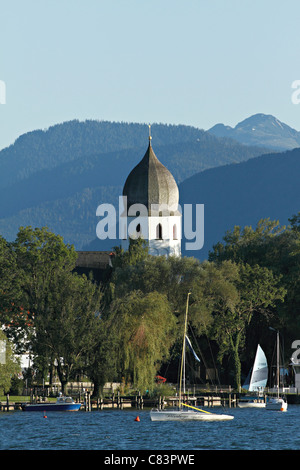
{"x":151,"y":206}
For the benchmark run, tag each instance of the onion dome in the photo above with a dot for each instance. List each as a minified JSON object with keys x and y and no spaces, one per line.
{"x":151,"y":183}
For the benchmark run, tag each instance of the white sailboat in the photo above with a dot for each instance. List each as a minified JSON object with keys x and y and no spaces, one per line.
{"x":186,"y":412}
{"x":277,"y":403}
{"x":256,"y":382}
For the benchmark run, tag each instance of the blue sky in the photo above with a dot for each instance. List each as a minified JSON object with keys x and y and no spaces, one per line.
{"x":193,"y":62}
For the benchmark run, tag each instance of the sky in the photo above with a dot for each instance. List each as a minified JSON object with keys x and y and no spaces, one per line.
{"x":192,"y":62}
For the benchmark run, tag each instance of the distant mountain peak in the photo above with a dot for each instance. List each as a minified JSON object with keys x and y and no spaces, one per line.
{"x":260,"y":129}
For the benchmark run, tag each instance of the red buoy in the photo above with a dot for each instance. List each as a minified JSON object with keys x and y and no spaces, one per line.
{"x":137,"y":418}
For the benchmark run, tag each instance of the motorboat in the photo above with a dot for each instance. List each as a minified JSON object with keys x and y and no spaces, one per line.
{"x":62,"y":404}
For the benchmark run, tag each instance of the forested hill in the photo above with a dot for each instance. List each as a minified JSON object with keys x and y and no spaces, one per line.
{"x":59,"y":177}
{"x":66,"y":142}
{"x":242,"y":194}
{"x":95,"y":141}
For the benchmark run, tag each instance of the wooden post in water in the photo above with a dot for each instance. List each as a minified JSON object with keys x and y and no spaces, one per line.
{"x":113,"y":400}
{"x":138,"y":400}
{"x":118,"y":400}
{"x":87,"y":401}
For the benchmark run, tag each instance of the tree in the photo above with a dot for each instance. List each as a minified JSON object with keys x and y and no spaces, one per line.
{"x":278,"y":249}
{"x":144,"y":327}
{"x":100,"y":364}
{"x":249,"y":290}
{"x":9,"y":365}
{"x":60,"y":306}
{"x":249,"y":245}
{"x":172,"y":276}
{"x":68,"y":328}
{"x":40,"y":256}
{"x":10,"y":292}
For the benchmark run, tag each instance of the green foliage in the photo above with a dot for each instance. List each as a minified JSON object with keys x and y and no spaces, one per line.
{"x":128,"y":328}
{"x":9,"y":284}
{"x":9,"y":366}
{"x":251,"y":290}
{"x":278,"y":249}
{"x":144,"y":326}
{"x":61,"y":322}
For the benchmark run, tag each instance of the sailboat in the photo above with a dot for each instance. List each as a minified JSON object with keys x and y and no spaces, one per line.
{"x":186,"y":412}
{"x":256,"y":382}
{"x":277,"y":403}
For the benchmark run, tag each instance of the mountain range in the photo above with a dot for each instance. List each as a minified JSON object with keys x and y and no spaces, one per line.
{"x":243,"y":194}
{"x":261,"y":130}
{"x":58,"y":177}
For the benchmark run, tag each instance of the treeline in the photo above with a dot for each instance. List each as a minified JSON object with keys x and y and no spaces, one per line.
{"x":74,"y":140}
{"x":66,"y":142}
{"x":128,"y":328}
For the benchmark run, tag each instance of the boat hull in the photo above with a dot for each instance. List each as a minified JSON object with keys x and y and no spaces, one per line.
{"x":276,"y":404}
{"x":177,"y":415}
{"x":251,"y":405}
{"x":51,"y":407}
{"x":251,"y":402}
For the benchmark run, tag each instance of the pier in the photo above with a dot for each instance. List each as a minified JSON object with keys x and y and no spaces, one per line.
{"x":116,"y":401}
{"x":138,"y":401}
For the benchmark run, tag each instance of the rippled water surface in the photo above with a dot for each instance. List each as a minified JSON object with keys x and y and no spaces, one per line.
{"x":251,"y":429}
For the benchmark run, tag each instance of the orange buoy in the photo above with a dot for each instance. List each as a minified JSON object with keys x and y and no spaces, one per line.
{"x":45,"y":415}
{"x":137,"y":418}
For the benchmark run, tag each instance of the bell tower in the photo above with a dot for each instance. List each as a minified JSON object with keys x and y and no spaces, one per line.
{"x":151,"y":206}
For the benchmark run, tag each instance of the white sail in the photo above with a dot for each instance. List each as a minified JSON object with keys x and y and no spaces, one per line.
{"x":258,"y":376}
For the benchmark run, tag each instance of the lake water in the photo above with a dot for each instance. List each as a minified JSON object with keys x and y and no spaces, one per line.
{"x":115,"y":430}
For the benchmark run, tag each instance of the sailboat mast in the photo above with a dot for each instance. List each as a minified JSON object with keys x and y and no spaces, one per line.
{"x":182,"y":366}
{"x":278,"y":364}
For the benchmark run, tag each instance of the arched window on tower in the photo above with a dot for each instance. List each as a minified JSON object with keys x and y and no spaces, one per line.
{"x":174,"y":232}
{"x":159,"y":232}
